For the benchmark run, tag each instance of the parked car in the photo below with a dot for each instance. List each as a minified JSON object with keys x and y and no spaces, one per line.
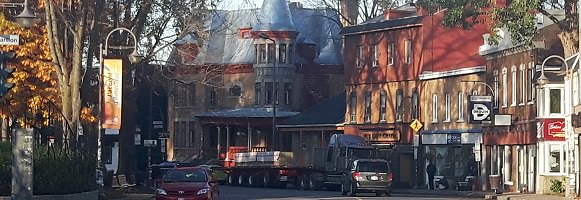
{"x":218,"y":171}
{"x":367,"y":175}
{"x":188,"y":183}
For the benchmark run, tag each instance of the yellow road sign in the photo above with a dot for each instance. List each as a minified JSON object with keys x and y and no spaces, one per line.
{"x":416,"y":125}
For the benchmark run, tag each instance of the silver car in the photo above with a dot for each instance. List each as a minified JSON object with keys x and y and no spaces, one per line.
{"x":367,"y":175}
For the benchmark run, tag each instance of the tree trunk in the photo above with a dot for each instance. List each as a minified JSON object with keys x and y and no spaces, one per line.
{"x":570,"y":41}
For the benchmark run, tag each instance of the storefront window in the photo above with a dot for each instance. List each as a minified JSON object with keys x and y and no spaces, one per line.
{"x":555,"y":158}
{"x":452,"y":161}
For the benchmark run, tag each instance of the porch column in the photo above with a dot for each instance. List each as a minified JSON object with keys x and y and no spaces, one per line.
{"x":219,"y":147}
{"x":249,"y":137}
{"x":227,"y":142}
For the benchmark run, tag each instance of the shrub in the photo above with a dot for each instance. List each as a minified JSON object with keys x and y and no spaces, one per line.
{"x":57,"y":171}
{"x":5,"y":169}
{"x":557,"y":186}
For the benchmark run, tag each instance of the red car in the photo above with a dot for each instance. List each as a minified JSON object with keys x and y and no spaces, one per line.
{"x":188,"y":183}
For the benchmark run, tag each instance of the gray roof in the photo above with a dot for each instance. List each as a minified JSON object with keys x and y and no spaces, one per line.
{"x":247,"y":112}
{"x":274,"y":16}
{"x":330,"y":111}
{"x":224,"y":46}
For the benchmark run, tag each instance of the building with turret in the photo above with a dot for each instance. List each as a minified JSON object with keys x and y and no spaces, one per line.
{"x":253,"y":67}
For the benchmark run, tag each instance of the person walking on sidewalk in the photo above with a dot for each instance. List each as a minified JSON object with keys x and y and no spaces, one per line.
{"x":431,"y":170}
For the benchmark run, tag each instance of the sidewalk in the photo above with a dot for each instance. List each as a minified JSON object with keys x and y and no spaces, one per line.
{"x":521,"y":196}
{"x":447,"y":193}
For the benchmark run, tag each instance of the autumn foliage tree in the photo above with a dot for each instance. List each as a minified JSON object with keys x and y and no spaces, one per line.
{"x":34,"y":77}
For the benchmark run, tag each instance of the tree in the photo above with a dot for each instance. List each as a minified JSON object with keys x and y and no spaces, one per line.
{"x":33,"y":78}
{"x":354,"y":11}
{"x":518,"y":17}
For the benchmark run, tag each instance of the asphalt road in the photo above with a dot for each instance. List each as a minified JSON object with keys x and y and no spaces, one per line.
{"x":252,"y":193}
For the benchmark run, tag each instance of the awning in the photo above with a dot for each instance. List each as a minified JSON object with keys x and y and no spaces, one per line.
{"x":247,"y":113}
{"x":452,"y":131}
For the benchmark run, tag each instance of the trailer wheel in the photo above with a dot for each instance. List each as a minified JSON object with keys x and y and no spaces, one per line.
{"x":303,"y":183}
{"x":252,"y":181}
{"x":232,"y":180}
{"x":343,"y":190}
{"x":266,"y":180}
{"x":314,"y":184}
{"x":241,"y":180}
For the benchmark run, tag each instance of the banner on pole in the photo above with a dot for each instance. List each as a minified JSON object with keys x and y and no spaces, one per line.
{"x":112,"y":93}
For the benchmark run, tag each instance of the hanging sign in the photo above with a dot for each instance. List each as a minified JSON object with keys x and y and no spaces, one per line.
{"x":112,"y":93}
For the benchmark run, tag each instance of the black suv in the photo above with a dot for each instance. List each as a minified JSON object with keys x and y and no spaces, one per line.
{"x":367,"y":175}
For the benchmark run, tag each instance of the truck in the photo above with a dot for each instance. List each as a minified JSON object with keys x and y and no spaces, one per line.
{"x":278,"y":168}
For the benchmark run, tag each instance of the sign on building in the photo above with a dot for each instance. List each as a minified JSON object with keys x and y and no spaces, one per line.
{"x":553,"y":129}
{"x":9,"y":40}
{"x":480,"y":108}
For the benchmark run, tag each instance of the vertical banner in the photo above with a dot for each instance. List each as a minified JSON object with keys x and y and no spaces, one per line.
{"x":112,"y":93}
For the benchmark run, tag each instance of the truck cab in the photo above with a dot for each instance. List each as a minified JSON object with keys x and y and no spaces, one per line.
{"x":343,"y":149}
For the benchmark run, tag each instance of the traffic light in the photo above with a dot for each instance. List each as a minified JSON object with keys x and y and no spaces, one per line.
{"x":5,"y":72}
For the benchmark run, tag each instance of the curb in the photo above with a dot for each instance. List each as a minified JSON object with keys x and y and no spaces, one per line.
{"x":443,"y":192}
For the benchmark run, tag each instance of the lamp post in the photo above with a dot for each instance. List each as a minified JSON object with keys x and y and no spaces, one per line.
{"x":274,"y":90}
{"x":26,"y":17}
{"x":543,"y":80}
{"x":134,"y":57}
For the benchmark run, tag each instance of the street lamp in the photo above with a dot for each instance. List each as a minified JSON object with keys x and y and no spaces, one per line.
{"x":26,"y":17}
{"x":274,"y":89}
{"x":134,"y":57}
{"x":543,"y":80}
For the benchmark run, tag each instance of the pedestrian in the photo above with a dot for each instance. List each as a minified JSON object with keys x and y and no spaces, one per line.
{"x":431,"y":170}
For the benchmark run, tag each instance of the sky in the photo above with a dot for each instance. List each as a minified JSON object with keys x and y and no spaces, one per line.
{"x":245,"y":4}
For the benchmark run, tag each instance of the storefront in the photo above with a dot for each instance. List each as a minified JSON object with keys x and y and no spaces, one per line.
{"x":452,"y":151}
{"x":552,"y":153}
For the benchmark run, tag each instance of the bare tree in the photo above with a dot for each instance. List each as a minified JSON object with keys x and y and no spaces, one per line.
{"x":355,"y":11}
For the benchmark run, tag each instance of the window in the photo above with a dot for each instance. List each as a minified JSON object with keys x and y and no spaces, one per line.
{"x":382,"y":105}
{"x":268,"y":92}
{"x":359,"y":59}
{"x":408,"y":51}
{"x":276,"y":94}
{"x":212,"y":96}
{"x":257,"y":93}
{"x":531,"y":85}
{"x":448,"y":105}
{"x":399,"y":105}
{"x":474,"y":92}
{"x":180,"y":139}
{"x":375,"y":55}
{"x":434,"y":108}
{"x":460,"y":106}
{"x":191,"y":133}
{"x":271,"y":53}
{"x":495,"y":75}
{"x":262,"y":53}
{"x":513,"y":86}
{"x":353,"y":108}
{"x":367,"y":107}
{"x":504,"y":87}
{"x":523,"y":84}
{"x":288,"y":93}
{"x":415,"y":103}
{"x":555,"y":101}
{"x":235,"y":91}
{"x":282,"y":53}
{"x":184,"y":95}
{"x":290,"y":54}
{"x":556,"y":158}
{"x":507,"y":165}
{"x":391,"y":53}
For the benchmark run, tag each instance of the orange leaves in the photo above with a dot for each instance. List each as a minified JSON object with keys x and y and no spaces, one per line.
{"x":34,"y":78}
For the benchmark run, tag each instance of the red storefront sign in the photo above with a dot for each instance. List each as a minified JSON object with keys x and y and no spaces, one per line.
{"x":554,"y":129}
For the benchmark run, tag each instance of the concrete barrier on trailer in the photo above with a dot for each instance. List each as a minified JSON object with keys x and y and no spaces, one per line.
{"x":91,"y":195}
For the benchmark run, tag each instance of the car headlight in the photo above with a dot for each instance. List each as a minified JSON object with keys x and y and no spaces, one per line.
{"x":161,"y":192}
{"x":203,"y":191}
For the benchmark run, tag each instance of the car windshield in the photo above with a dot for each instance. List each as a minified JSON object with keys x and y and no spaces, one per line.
{"x":373,"y":167}
{"x":185,"y":176}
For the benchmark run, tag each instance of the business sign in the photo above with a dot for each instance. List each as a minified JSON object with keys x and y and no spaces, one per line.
{"x":112,"y":93}
{"x":9,"y":40}
{"x":480,"y":108}
{"x":554,"y":129}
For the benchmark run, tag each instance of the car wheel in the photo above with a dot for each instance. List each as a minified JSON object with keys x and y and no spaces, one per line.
{"x":353,"y":190}
{"x":343,"y":190}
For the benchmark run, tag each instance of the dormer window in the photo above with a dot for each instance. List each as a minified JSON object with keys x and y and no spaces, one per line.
{"x":282,"y":53}
{"x":235,"y":91}
{"x":261,"y":49}
{"x":271,"y":53}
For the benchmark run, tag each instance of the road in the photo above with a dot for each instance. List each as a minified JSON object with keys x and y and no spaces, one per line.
{"x":251,"y":193}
